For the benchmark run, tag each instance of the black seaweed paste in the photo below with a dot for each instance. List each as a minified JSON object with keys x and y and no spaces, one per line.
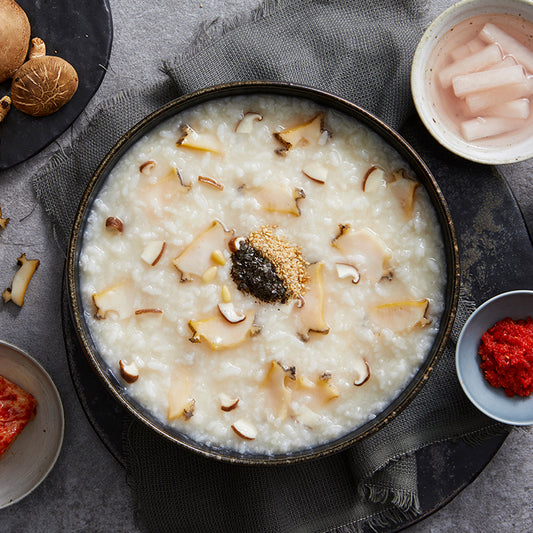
{"x":268,"y":267}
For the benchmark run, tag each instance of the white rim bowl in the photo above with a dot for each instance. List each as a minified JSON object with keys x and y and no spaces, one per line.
{"x":420,"y":85}
{"x":492,"y":401}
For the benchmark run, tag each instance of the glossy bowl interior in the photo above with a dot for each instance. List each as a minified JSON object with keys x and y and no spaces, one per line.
{"x":117,"y":388}
{"x":489,"y":400}
{"x":421,"y":83}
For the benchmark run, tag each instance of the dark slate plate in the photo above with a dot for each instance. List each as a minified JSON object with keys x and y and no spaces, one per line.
{"x":496,"y":253}
{"x":79,"y":32}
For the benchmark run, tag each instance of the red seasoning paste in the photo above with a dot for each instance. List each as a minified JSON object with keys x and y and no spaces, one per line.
{"x":506,"y":352}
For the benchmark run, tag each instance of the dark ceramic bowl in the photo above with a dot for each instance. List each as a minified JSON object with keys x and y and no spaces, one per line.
{"x":117,"y":388}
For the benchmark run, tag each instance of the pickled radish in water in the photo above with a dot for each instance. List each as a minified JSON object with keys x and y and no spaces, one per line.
{"x":513,"y":109}
{"x":507,"y":61}
{"x":492,"y":34}
{"x":482,"y":100}
{"x":488,"y":56}
{"x":481,"y":79}
{"x":487,"y":79}
{"x":481,"y":127}
{"x":471,"y":47}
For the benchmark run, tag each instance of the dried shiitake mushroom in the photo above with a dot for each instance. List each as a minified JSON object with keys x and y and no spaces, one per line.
{"x":21,"y":280}
{"x":14,"y":38}
{"x":44,"y":83}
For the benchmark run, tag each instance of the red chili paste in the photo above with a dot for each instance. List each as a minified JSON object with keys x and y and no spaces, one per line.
{"x":506,"y":352}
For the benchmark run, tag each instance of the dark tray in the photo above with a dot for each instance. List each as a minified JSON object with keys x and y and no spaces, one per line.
{"x":79,"y":32}
{"x":496,"y":253}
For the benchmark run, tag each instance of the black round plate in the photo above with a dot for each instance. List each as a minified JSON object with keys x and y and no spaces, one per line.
{"x":445,"y":468}
{"x":81,"y":33}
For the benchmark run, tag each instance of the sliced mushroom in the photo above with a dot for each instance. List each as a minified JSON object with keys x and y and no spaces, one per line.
{"x":400,"y":316}
{"x":43,"y":84}
{"x":244,"y":429}
{"x":228,"y":311}
{"x":196,"y":258}
{"x":3,"y":221}
{"x":178,"y":394}
{"x":151,"y":317}
{"x":14,"y":38}
{"x":235,"y":243}
{"x":311,"y":315}
{"x":21,"y":280}
{"x":117,"y":300}
{"x":245,"y":125}
{"x":362,"y":372}
{"x":114,"y":225}
{"x":374,"y":180}
{"x":128,"y":371}
{"x":213,"y":183}
{"x":218,"y":333}
{"x":279,"y":198}
{"x":301,"y":135}
{"x":227,"y":402}
{"x":315,"y":171}
{"x":149,"y":311}
{"x":204,"y":142}
{"x":365,"y":248}
{"x":147,"y":167}
{"x":5,"y":106}
{"x":345,"y":270}
{"x":153,"y":252}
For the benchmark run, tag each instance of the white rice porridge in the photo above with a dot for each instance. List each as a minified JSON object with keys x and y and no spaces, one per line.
{"x":255,"y":376}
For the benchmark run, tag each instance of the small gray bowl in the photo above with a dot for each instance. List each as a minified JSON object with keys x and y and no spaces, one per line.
{"x":492,"y":401}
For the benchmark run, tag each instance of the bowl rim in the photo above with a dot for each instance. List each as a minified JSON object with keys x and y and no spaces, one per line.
{"x":432,"y":35}
{"x":459,"y":355}
{"x":324,"y":99}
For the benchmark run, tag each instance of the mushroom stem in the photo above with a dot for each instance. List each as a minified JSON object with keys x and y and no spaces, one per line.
{"x":37,"y":48}
{"x":5,"y":106}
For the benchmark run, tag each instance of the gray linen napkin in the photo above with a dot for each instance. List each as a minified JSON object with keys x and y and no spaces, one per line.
{"x":362,"y":52}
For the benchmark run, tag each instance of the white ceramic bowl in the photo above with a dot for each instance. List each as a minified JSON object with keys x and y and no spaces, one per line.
{"x":421,"y":87}
{"x":31,"y":457}
{"x":492,"y":401}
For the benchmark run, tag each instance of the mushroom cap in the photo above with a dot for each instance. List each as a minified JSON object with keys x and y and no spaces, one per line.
{"x":43,"y":84}
{"x":14,"y":38}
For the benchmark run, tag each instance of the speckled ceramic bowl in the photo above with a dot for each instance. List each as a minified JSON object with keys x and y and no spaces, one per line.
{"x":33,"y":454}
{"x":421,"y":84}
{"x":118,"y":389}
{"x":489,"y":400}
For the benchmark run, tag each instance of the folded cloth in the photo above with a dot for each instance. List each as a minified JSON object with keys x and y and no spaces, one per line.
{"x":362,"y":52}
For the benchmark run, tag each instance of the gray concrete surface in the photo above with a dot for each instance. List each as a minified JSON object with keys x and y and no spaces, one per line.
{"x":87,"y":489}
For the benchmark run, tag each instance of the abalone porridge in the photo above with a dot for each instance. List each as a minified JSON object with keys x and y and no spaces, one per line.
{"x":262,"y":274}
